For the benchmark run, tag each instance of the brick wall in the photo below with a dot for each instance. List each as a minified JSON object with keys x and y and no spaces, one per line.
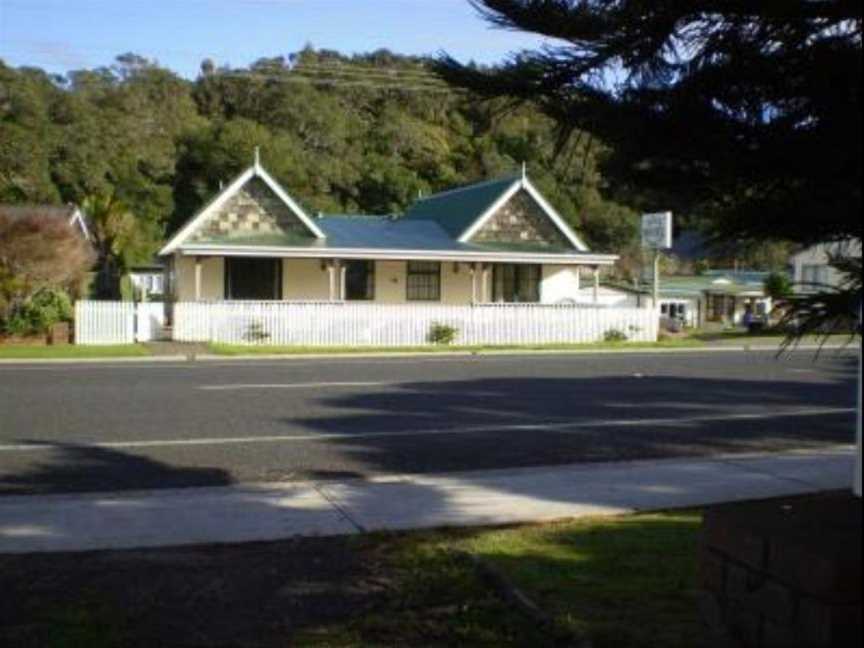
{"x":771,"y":578}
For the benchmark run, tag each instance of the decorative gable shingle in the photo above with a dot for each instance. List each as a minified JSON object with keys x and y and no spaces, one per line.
{"x":520,"y":221}
{"x":254,"y":211}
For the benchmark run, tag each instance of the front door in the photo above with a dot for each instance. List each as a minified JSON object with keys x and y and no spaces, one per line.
{"x":251,"y":279}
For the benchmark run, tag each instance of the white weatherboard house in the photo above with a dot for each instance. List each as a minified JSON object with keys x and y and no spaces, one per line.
{"x":812,"y":270}
{"x":497,"y":241}
{"x":254,"y":267}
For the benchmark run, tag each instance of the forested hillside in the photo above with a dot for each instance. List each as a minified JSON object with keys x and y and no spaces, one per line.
{"x":363,"y":134}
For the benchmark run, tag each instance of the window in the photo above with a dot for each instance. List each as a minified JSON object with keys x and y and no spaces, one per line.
{"x":516,"y":283}
{"x":253,"y":279}
{"x":814,"y":274}
{"x":360,"y":280}
{"x":715,"y":307}
{"x":154,"y":283}
{"x":424,"y":281}
{"x":674,"y":310}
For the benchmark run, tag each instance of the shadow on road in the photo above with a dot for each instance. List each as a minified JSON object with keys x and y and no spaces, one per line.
{"x":423,"y":427}
{"x":472,"y":424}
{"x":77,"y":467}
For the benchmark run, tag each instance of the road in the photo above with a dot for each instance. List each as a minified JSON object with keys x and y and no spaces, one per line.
{"x":77,"y":428}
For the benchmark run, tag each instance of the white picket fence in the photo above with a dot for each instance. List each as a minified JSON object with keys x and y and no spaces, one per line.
{"x":353,"y":324}
{"x":104,"y":322}
{"x":113,"y":322}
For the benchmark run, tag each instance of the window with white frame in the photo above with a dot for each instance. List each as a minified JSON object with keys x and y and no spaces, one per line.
{"x":513,"y":283}
{"x":424,"y":281}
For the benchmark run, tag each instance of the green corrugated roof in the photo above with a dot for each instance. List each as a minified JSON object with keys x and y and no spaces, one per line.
{"x":695,"y":285}
{"x":434,"y":223}
{"x":456,"y":210}
{"x":377,"y":233}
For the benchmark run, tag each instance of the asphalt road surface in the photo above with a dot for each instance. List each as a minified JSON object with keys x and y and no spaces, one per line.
{"x":68,"y":428}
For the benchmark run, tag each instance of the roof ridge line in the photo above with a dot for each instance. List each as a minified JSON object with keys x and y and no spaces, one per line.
{"x":475,"y":185}
{"x":376,"y":216}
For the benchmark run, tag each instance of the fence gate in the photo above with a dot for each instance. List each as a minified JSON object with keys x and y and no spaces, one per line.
{"x":107,"y":322}
{"x":149,"y":320}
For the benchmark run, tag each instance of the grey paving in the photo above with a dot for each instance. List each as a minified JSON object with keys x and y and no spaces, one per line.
{"x":226,"y":514}
{"x":133,"y":426}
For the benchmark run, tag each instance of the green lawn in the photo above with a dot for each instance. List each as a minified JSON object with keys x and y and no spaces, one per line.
{"x":241,"y":349}
{"x":621,"y":582}
{"x":72,"y":351}
{"x":765,"y":338}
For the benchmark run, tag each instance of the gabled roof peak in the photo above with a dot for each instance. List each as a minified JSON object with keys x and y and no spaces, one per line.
{"x":254,"y":171}
{"x":461,"y":211}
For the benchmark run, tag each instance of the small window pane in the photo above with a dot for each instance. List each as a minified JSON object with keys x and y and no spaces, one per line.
{"x":516,"y":283}
{"x":424,"y":281}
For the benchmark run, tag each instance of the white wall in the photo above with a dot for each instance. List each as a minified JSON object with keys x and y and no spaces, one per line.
{"x":691,"y":306}
{"x":456,"y":286}
{"x":561,"y":283}
{"x":212,"y":278}
{"x":305,"y":279}
{"x":817,"y":256}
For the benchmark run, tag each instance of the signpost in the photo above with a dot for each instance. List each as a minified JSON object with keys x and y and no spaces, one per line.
{"x":656,"y":236}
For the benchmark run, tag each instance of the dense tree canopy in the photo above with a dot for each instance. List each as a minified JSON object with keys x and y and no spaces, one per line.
{"x":744,"y":111}
{"x":364,"y":134}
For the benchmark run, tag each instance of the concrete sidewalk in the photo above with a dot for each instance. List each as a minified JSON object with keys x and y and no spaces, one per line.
{"x":280,"y":510}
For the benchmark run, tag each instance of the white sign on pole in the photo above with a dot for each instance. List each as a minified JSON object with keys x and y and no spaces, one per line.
{"x":657,"y":231}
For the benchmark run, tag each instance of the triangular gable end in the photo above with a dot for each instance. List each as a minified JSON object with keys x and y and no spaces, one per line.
{"x":522,"y":216}
{"x":238,"y":209}
{"x":80,"y":222}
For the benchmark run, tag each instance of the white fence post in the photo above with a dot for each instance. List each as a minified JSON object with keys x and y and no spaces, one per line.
{"x":341,"y":324}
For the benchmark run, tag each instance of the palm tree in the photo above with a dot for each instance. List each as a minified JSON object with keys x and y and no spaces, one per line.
{"x":115,"y":235}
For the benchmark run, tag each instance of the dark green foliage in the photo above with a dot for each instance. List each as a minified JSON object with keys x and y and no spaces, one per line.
{"x":778,"y":285}
{"x":614,"y":335}
{"x":443,"y":334}
{"x":748,"y":113}
{"x":362,"y":134}
{"x":38,"y":314}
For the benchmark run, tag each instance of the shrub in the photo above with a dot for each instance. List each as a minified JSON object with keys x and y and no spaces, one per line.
{"x":442,"y":334}
{"x":38,"y":314}
{"x":614,"y":335}
{"x":35,"y":252}
{"x":256,"y":333}
{"x":777,"y":286}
